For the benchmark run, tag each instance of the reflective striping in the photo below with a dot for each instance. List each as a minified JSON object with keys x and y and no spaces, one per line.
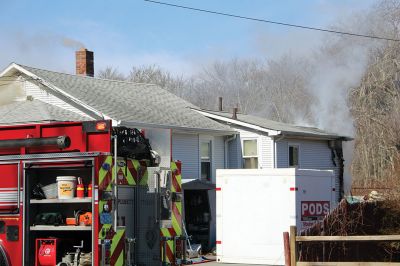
{"x":143,"y":173}
{"x":105,"y":175}
{"x":129,"y":176}
{"x":166,"y":232}
{"x":104,"y":228}
{"x":176,"y":219}
{"x":116,"y":239}
{"x":176,"y":177}
{"x":117,"y":248}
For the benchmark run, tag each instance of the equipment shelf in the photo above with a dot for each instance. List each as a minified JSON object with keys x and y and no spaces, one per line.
{"x":60,"y":228}
{"x":73,"y":200}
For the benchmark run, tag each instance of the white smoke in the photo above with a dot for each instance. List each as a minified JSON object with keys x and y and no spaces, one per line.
{"x":337,"y":69}
{"x":11,"y":89}
{"x":71,"y":43}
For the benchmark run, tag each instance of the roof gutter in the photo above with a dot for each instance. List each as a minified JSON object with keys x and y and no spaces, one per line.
{"x":174,"y":128}
{"x":316,"y":136}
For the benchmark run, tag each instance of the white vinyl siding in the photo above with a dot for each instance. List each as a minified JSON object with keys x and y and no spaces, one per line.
{"x":266,"y":152}
{"x":185,"y":148}
{"x":313,"y":154}
{"x":39,"y":94}
{"x":264,"y":146}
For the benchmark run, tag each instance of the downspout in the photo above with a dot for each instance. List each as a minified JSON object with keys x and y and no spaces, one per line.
{"x":226,"y":143}
{"x":275,"y":149}
{"x":337,"y":153}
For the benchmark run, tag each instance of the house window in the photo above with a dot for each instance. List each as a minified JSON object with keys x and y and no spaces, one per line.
{"x":205,"y":153}
{"x":250,"y":154}
{"x":293,"y":155}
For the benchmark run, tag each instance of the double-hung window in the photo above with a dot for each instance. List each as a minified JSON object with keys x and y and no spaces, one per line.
{"x":205,"y":154}
{"x":250,"y":154}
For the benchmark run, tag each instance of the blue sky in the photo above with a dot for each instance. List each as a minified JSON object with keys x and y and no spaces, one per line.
{"x":125,"y":33}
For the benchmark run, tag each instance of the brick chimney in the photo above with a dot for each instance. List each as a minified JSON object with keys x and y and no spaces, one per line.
{"x":84,"y":62}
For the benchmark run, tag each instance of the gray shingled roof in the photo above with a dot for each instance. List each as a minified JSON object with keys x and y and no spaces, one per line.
{"x":35,"y":112}
{"x":130,"y":102}
{"x":286,"y":129}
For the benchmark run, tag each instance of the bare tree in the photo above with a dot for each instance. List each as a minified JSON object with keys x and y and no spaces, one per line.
{"x":155,"y":75}
{"x":110,"y":73}
{"x":375,"y":103}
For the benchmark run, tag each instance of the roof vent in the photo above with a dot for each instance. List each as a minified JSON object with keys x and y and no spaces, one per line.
{"x":220,"y":104}
{"x":234,"y":113}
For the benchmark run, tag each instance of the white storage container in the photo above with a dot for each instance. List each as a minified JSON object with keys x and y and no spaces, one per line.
{"x":66,"y":187}
{"x":255,"y":207}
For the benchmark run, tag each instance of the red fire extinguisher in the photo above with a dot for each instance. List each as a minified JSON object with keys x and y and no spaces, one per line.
{"x":80,"y":189}
{"x":47,"y":254}
{"x":90,"y":190}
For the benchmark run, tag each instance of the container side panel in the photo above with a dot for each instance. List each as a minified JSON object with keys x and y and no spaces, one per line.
{"x":313,"y":198}
{"x":253,"y":210}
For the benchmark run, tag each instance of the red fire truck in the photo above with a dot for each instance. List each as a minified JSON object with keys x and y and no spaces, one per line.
{"x":86,"y":193}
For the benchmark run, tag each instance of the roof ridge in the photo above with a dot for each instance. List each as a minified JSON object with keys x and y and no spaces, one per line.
{"x":88,"y":77}
{"x":239,"y":113}
{"x":278,"y":123}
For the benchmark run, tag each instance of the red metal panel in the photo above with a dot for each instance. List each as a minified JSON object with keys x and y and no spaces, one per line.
{"x":13,"y":249}
{"x":81,"y":141}
{"x":99,"y":142}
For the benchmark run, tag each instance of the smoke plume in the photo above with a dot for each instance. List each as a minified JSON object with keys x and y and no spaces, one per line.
{"x":71,"y":43}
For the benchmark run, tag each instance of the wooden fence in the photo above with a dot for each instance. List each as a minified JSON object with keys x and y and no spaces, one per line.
{"x":294,"y":239}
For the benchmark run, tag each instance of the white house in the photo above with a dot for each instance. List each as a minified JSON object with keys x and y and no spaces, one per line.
{"x":263,"y":143}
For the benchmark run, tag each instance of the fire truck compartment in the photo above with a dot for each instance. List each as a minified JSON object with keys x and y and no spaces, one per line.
{"x":45,"y":172}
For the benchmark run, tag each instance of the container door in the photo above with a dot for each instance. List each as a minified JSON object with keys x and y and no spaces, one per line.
{"x":10,"y":215}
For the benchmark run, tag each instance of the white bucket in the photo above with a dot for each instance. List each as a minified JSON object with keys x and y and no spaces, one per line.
{"x":66,"y":187}
{"x":50,"y":191}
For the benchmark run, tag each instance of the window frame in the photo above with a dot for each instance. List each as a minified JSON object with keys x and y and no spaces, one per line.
{"x":246,"y":156}
{"x":294,"y":144}
{"x":210,"y":140}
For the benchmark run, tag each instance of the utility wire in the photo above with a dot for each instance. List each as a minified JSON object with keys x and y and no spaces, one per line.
{"x":273,"y":22}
